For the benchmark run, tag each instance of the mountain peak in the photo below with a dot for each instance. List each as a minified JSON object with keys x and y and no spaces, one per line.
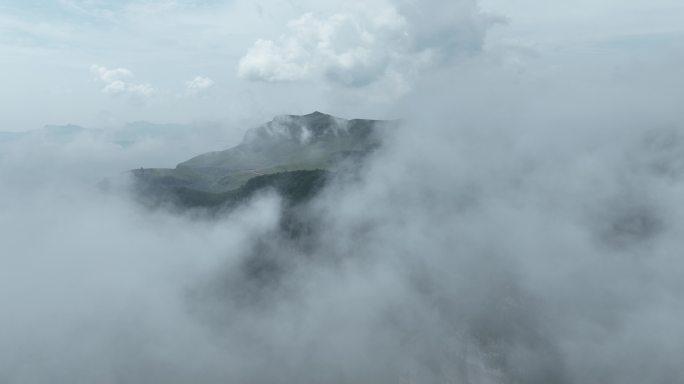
{"x":63,"y":128}
{"x":287,"y":143}
{"x":313,"y":116}
{"x":304,"y":129}
{"x":316,"y":114}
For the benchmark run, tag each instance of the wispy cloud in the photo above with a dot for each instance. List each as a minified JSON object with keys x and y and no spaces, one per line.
{"x":120,"y":81}
{"x":198,"y":85}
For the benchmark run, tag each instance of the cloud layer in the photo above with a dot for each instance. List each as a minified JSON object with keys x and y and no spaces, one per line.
{"x":519,"y":227}
{"x":510,"y":232}
{"x":382,"y":42}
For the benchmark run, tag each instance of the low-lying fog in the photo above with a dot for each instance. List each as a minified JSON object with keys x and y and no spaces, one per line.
{"x":511,"y":231}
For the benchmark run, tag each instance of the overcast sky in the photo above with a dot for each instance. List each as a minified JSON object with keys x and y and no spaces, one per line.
{"x":522,"y":226}
{"x":104,"y":62}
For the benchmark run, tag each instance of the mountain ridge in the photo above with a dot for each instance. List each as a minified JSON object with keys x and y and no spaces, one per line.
{"x":288,"y":143}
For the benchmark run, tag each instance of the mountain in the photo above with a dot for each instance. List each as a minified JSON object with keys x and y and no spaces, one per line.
{"x":8,"y":137}
{"x":139,"y":131}
{"x":51,"y":133}
{"x":306,"y":144}
{"x":125,"y":136}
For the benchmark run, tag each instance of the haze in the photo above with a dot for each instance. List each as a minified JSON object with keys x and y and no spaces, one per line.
{"x":522,"y":223}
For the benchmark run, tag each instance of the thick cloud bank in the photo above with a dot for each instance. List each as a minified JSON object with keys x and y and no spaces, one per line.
{"x":513,"y":230}
{"x":387,"y":42}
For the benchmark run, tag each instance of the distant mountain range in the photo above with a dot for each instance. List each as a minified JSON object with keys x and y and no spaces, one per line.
{"x":126,"y":135}
{"x":291,"y":153}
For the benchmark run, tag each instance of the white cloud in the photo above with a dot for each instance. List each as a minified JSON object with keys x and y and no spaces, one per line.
{"x":198,"y":85}
{"x":536,"y":217}
{"x":120,"y":81}
{"x":388,"y":43}
{"x":342,"y":48}
{"x":271,"y":62}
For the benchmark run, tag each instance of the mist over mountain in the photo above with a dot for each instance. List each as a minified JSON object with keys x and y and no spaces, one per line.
{"x":493,"y":196}
{"x":289,"y":148}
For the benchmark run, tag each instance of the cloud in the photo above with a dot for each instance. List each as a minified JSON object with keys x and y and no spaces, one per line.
{"x":519,"y":228}
{"x":121,"y":82}
{"x":511,"y":231}
{"x":267,"y":61}
{"x":345,"y":49}
{"x":198,"y":85}
{"x":387,"y":42}
{"x":514,"y":230}
{"x":92,"y":9}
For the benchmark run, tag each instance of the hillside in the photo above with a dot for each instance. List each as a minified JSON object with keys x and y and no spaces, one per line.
{"x":283,"y":148}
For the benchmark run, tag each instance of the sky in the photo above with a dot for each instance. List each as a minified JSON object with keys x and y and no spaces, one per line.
{"x":100,"y":63}
{"x":522,"y":224}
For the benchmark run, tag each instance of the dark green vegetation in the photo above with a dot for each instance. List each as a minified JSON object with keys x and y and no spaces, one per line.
{"x":292,"y":155}
{"x":294,"y":187}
